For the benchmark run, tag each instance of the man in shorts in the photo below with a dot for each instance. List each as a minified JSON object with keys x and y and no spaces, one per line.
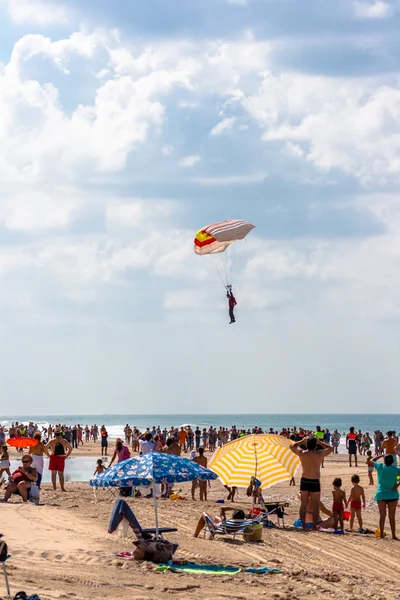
{"x":310,"y":487}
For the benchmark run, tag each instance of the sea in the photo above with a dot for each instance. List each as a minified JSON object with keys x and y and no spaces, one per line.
{"x":82,"y":468}
{"x":115,"y":423}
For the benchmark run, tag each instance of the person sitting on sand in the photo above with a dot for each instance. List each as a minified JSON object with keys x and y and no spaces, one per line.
{"x":22,"y":478}
{"x":327,"y":523}
{"x":356,"y":500}
{"x":238,"y":515}
{"x":311,"y":460}
{"x":59,"y":450}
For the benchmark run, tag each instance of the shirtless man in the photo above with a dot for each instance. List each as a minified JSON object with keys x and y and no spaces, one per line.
{"x":59,"y":450}
{"x":389,"y":445}
{"x":310,"y":487}
{"x":200,"y":460}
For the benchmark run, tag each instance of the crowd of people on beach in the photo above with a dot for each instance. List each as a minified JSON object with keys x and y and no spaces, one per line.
{"x":189,"y":438}
{"x":312,"y":446}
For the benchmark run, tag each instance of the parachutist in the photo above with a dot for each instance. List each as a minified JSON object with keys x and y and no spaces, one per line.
{"x":232,"y":303}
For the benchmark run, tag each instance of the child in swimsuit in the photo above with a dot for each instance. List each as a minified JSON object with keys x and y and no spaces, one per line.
{"x":357,"y":498}
{"x":4,"y":461}
{"x":339,"y":500}
{"x":100,"y":467}
{"x":370,"y":469}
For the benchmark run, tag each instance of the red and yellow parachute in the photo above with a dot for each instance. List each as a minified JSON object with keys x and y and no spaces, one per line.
{"x":217,"y":238}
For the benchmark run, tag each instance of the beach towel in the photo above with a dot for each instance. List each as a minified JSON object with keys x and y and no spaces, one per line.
{"x":196,"y":569}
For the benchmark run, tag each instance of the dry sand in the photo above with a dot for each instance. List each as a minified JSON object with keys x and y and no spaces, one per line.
{"x":61,"y":549}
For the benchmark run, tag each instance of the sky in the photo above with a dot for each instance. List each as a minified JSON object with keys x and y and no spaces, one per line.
{"x":125,"y":127}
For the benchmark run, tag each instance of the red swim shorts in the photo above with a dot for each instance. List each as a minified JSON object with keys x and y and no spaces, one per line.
{"x":356,"y":504}
{"x":57,"y":463}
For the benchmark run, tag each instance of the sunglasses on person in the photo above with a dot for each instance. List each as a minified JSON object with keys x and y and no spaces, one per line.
{"x":26,"y":461}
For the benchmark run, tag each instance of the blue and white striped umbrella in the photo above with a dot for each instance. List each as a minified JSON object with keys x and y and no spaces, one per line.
{"x":154,"y":467}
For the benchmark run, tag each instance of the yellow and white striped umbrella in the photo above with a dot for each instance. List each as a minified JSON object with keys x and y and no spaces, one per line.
{"x":267,"y":457}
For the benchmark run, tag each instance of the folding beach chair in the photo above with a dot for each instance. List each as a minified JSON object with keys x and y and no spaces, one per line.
{"x":230,"y":526}
{"x":122,"y":512}
{"x":275,"y":508}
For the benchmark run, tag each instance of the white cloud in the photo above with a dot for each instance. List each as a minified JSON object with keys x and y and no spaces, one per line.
{"x":189,"y":161}
{"x":182,"y":299}
{"x":352,"y":125}
{"x":138,"y":213}
{"x":237,"y":179}
{"x":293,"y":150}
{"x":223,"y":126}
{"x":377,"y":9}
{"x":167,"y":150}
{"x":38,"y":210}
{"x":36,"y":12}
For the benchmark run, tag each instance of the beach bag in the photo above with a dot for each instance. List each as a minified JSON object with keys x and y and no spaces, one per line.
{"x":157,"y":551}
{"x":253,"y":533}
{"x":34,"y":495}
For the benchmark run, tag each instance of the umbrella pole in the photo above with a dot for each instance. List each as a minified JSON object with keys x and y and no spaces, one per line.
{"x":155,"y":509}
{"x":6,"y":580}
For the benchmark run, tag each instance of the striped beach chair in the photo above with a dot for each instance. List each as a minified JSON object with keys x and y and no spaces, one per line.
{"x":230,"y":526}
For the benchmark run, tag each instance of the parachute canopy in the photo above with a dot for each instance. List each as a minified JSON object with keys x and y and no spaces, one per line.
{"x":217,"y":237}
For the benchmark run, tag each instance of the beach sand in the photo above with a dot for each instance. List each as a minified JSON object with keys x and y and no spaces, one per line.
{"x":61,"y":549}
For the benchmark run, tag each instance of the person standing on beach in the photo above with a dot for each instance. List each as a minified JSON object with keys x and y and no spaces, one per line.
{"x":351,"y":445}
{"x":59,"y":450}
{"x":335,"y":439}
{"x":387,"y":493}
{"x":200,"y":460}
{"x":310,"y":486}
{"x":389,"y":445}
{"x":104,"y":441}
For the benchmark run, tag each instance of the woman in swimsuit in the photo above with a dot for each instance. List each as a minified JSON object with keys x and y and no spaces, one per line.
{"x":121,"y":451}
{"x":4,"y":461}
{"x":37,"y":455}
{"x":59,"y":450}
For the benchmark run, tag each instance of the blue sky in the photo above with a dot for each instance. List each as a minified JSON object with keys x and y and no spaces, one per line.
{"x":127,"y":126}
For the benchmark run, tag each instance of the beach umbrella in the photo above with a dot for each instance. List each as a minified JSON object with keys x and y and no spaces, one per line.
{"x":268,"y":458}
{"x":21,"y":442}
{"x":152,"y":468}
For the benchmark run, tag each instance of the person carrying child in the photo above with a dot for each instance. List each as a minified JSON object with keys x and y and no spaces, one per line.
{"x":100,"y":467}
{"x":356,"y":499}
{"x":339,"y":501}
{"x":370,"y":469}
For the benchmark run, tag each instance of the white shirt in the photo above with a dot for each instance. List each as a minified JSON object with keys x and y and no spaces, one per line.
{"x":146,"y":446}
